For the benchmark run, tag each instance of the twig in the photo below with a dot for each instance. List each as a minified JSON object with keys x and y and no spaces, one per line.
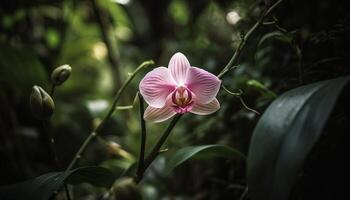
{"x":234,"y":59}
{"x":128,"y":107}
{"x":239,"y":95}
{"x":139,"y":173}
{"x":106,"y":118}
{"x":246,"y":107}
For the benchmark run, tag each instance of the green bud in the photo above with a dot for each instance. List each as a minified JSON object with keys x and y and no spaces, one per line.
{"x":126,"y":189}
{"x":41,"y":103}
{"x":60,"y":74}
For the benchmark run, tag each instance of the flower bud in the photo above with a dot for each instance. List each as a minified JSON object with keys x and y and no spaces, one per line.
{"x":41,"y":103}
{"x":126,"y":189}
{"x":60,"y":74}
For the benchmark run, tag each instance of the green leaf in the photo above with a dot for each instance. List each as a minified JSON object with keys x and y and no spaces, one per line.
{"x":201,"y":152}
{"x":285,"y":134}
{"x":44,"y":186}
{"x":97,"y":176}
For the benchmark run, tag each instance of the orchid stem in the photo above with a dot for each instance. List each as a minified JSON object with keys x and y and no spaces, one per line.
{"x":52,"y":91}
{"x":155,"y":151}
{"x":233,"y":61}
{"x":52,"y":146}
{"x":139,"y":173}
{"x":112,"y":108}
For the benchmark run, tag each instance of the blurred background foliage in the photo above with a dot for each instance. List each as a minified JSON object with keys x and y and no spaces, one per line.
{"x":104,"y":40}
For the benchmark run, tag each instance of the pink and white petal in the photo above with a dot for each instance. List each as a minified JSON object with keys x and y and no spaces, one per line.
{"x":206,"y":109}
{"x":203,"y":84}
{"x":156,"y":86}
{"x":178,"y":66}
{"x":157,"y":115}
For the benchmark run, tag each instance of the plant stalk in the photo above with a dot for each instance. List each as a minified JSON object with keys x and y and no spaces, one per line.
{"x":233,"y":61}
{"x":112,"y":108}
{"x":52,"y":147}
{"x":139,"y":173}
{"x":155,"y":151}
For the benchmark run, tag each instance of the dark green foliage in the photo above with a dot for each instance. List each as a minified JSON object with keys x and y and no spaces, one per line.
{"x":307,"y":42}
{"x":285,"y":135}
{"x":47,"y":185}
{"x":203,"y":152}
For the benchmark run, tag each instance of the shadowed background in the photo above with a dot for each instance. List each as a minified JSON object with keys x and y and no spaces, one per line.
{"x":104,"y":40}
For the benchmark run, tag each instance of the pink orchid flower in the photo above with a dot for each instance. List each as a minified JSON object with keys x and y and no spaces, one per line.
{"x":179,"y":88}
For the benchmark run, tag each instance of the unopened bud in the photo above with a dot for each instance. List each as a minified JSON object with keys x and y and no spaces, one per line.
{"x":126,"y":189}
{"x":41,"y":103}
{"x":60,"y":74}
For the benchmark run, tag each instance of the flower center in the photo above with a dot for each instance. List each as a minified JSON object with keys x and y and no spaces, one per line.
{"x":182,"y":97}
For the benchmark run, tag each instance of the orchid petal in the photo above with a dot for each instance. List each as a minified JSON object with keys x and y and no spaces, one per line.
{"x":158,"y":114}
{"x":156,"y":86}
{"x":178,"y":67}
{"x":206,"y":109}
{"x":203,"y":84}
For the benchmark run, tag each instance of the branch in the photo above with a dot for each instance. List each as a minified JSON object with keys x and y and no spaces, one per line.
{"x":233,"y":61}
{"x":112,"y":108}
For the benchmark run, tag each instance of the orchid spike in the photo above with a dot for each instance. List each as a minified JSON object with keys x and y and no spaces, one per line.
{"x":179,"y":88}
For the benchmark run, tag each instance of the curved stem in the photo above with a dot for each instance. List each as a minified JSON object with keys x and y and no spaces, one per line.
{"x":239,"y":95}
{"x":112,"y":108}
{"x":233,"y":61}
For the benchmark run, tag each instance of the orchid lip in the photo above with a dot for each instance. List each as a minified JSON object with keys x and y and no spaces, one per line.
{"x":182,"y":96}
{"x":182,"y":100}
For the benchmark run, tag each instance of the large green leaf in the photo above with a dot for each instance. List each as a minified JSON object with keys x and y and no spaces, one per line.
{"x":284,"y":136}
{"x":43,"y":187}
{"x":201,"y":152}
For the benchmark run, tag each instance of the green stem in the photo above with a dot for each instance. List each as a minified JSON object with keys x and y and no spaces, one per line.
{"x":112,"y":108}
{"x":52,"y":147}
{"x":139,"y":173}
{"x":239,"y":95}
{"x":155,"y":151}
{"x":51,"y":142}
{"x":52,"y":90}
{"x":233,"y":61}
